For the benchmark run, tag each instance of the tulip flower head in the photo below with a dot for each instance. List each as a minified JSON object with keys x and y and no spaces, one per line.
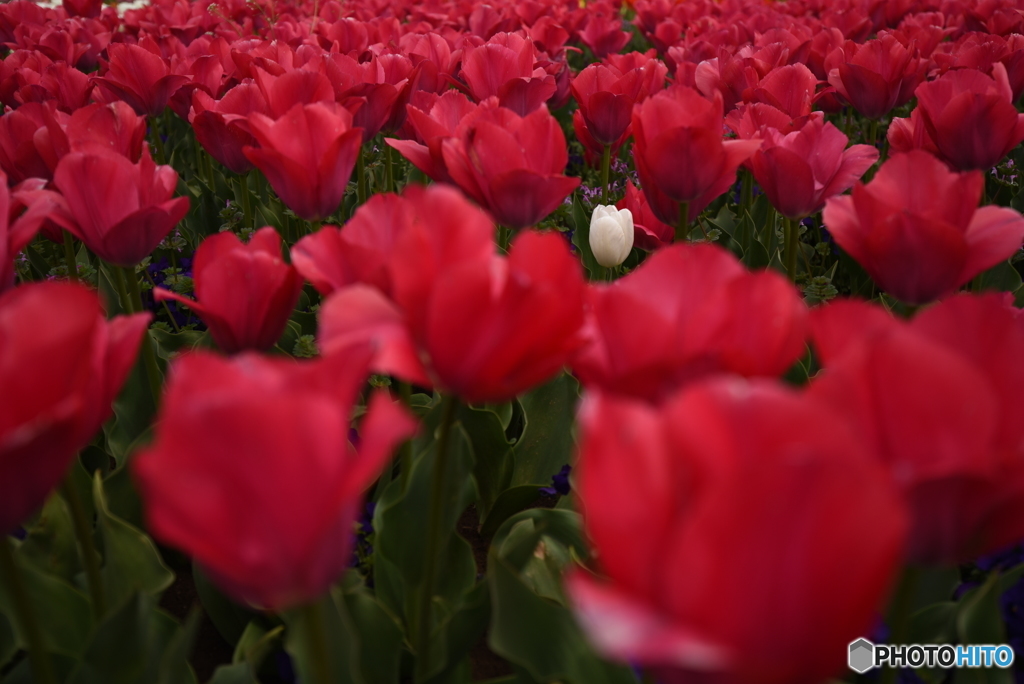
{"x":611,"y":234}
{"x":252,"y":472}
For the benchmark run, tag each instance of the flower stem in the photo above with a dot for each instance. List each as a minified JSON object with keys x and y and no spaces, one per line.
{"x":503,"y":238}
{"x":69,"y":257}
{"x":361,"y":177}
{"x":12,"y":580}
{"x":313,"y":615}
{"x":438,"y":498}
{"x":246,"y":201}
{"x":389,"y":171}
{"x":129,"y":288}
{"x":87,"y":549}
{"x":405,"y":462}
{"x":792,"y":240}
{"x":899,"y":615}
{"x":683,"y":226}
{"x":606,"y":162}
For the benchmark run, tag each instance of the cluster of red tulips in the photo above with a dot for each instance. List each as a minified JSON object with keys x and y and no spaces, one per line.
{"x":795,"y":399}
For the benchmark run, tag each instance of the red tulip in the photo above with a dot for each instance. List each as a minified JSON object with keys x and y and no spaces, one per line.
{"x":141,"y":78}
{"x":453,"y":313}
{"x":274,"y":529}
{"x":22,"y":212}
{"x":877,"y":75}
{"x":936,"y":401}
{"x":432,"y":126}
{"x":120,"y":210}
{"x":788,"y":88}
{"x":970,"y":117}
{"x":603,"y":34}
{"x":685,"y":313}
{"x":504,"y":68}
{"x":606,"y":97}
{"x":649,"y":232}
{"x":222,"y":126}
{"x":307,"y":156}
{"x":511,"y":165}
{"x":111,"y":128}
{"x":21,"y":157}
{"x":682,"y":502}
{"x":679,"y":152}
{"x":245,"y":293}
{"x":799,"y":171}
{"x":61,"y":366}
{"x":916,"y":228}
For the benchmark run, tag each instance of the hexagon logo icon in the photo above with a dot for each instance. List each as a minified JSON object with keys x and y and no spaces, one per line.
{"x":861,"y":656}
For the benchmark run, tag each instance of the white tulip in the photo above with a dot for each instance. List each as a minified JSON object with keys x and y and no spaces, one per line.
{"x":611,"y":235}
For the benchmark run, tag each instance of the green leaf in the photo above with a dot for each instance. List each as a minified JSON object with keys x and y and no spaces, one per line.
{"x":934,"y":624}
{"x":130,"y":559}
{"x":979,"y":620}
{"x":168,"y":344}
{"x":512,"y":501}
{"x":534,"y":632}
{"x":581,"y":238}
{"x":174,"y":665}
{"x":493,"y":454}
{"x":342,"y":639}
{"x":237,"y":673}
{"x":547,"y":442}
{"x":380,"y":643}
{"x":128,"y":645}
{"x":51,"y":544}
{"x":256,"y":643}
{"x":228,"y":617}
{"x":1002,"y":277}
{"x":133,"y":413}
{"x":67,"y":611}
{"x":8,"y":642}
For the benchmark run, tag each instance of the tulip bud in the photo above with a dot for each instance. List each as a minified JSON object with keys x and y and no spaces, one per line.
{"x":611,"y":234}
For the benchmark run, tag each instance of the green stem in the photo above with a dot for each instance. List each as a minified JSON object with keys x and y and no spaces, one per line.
{"x":69,"y":257}
{"x":683,"y":226}
{"x":246,"y":201}
{"x":873,"y":131}
{"x":438,"y":498}
{"x":389,"y":172}
{"x":152,"y":284}
{"x":41,"y":670}
{"x":87,"y":549}
{"x":405,"y":456}
{"x":361,"y":177}
{"x":157,"y":141}
{"x":792,"y":240}
{"x":148,"y":355}
{"x":606,"y":162}
{"x":313,"y":615}
{"x":769,"y":229}
{"x":503,"y":238}
{"x":899,"y":615}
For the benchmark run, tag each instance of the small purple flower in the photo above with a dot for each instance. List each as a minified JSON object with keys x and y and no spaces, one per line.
{"x":559,"y":483}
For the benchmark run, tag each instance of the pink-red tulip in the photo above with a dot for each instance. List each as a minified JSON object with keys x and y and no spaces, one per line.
{"x":801,"y":170}
{"x":61,"y":366}
{"x":244,"y":293}
{"x":917,"y":230}
{"x":452,"y":312}
{"x":511,"y":165}
{"x":273,"y":528}
{"x":682,"y":502}
{"x":140,"y":77}
{"x":875,"y":76}
{"x":120,"y":210}
{"x":307,"y":156}
{"x":680,"y":155}
{"x":936,"y":401}
{"x":685,"y":313}
{"x":606,"y":97}
{"x":222,"y":126}
{"x":649,"y":232}
{"x":970,"y":117}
